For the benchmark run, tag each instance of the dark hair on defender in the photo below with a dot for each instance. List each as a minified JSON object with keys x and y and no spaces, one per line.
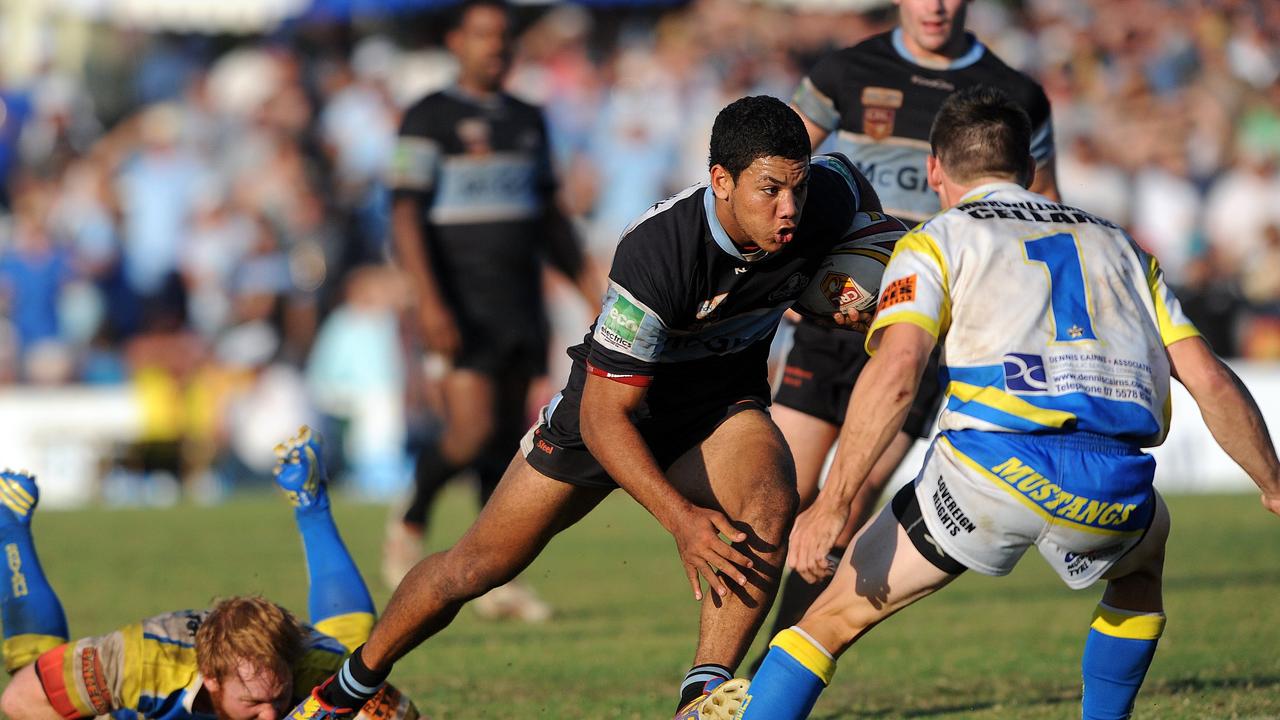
{"x":979,"y":132}
{"x":755,"y":127}
{"x":458,"y":13}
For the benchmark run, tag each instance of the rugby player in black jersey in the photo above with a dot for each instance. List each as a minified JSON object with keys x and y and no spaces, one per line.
{"x":877,"y":100}
{"x":668,"y":399}
{"x":474,"y":213}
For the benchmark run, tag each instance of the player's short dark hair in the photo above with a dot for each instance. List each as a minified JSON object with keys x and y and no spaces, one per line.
{"x":458,"y":13}
{"x":755,"y":127}
{"x":979,"y":132}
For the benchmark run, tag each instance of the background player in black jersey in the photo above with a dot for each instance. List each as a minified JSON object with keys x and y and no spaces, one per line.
{"x":668,"y":399}
{"x":474,"y":213}
{"x":879,"y":99}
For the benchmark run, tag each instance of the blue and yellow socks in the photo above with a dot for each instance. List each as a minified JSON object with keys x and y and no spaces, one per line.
{"x":338,"y":602}
{"x":1117,"y":654}
{"x":790,"y":679}
{"x":32,"y":614}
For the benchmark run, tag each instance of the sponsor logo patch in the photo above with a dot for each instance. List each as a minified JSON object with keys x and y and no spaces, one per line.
{"x":1100,"y":513}
{"x":622,"y":323}
{"x":1025,"y":373}
{"x":899,"y":291}
{"x":475,"y":135}
{"x":879,"y":109}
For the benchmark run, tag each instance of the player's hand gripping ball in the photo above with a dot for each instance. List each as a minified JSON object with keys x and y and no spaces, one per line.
{"x":848,"y":280}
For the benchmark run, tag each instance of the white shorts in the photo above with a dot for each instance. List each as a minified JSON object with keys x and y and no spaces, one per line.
{"x":1083,"y":500}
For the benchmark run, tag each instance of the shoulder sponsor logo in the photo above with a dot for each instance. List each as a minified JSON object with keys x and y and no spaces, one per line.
{"x":899,"y":291}
{"x":879,"y":109}
{"x":622,"y":323}
{"x":709,"y":306}
{"x":790,"y":289}
{"x":1025,"y":373}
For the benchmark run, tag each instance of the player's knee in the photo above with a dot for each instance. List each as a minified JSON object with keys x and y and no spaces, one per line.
{"x":770,"y":508}
{"x":466,"y":575}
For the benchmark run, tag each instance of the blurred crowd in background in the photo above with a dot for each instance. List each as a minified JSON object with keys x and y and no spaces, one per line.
{"x":202,"y":216}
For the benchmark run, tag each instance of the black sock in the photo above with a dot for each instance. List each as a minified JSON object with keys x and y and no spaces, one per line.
{"x":697,"y":677}
{"x":429,"y":475}
{"x":354,"y":684}
{"x":793,"y":602}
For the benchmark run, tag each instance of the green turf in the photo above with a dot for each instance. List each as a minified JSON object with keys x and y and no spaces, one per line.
{"x":983,"y":648}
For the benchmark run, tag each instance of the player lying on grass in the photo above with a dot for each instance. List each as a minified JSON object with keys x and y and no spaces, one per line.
{"x":668,"y":399}
{"x":245,"y":658}
{"x":1059,"y":337}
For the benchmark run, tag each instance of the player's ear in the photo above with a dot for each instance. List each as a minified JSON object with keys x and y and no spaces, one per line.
{"x":721,"y":182}
{"x":212,"y":685}
{"x":933,"y":171}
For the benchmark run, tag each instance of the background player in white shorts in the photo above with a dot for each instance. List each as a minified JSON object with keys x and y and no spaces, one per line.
{"x":1059,"y":337}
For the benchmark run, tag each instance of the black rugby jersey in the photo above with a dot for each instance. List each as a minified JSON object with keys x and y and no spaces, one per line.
{"x":687,"y":314}
{"x":880,"y":103}
{"x":482,"y":170}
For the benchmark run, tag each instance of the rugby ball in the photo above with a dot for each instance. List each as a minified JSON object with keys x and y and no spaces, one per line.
{"x":849,"y":277}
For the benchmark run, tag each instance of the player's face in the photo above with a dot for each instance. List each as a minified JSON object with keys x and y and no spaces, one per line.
{"x":931,"y":25}
{"x":482,"y":45}
{"x":250,"y":693}
{"x":765,"y":202}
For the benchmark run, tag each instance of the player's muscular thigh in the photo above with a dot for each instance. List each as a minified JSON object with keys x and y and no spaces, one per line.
{"x":745,"y":469}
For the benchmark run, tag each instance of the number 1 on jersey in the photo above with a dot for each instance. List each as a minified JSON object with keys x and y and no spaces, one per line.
{"x":1067,"y":294}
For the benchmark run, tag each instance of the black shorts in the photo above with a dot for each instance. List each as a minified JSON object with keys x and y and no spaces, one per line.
{"x":490,"y":349}
{"x":823,"y":366}
{"x":554,"y":445}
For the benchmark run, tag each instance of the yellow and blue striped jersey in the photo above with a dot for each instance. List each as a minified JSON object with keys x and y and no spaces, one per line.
{"x":148,"y":669}
{"x":1050,"y":318}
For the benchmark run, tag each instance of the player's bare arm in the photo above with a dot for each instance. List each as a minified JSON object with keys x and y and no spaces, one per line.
{"x":1230,"y":413}
{"x":436,"y":321}
{"x":613,"y":438}
{"x":878,"y":408}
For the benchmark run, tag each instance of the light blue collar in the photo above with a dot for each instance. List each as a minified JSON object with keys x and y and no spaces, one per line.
{"x":718,"y":232}
{"x":972,"y":55}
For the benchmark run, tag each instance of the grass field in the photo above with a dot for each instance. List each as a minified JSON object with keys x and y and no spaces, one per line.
{"x":983,"y":648}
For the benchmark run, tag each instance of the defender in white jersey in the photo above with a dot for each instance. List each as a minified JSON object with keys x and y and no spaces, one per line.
{"x":1058,"y":337}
